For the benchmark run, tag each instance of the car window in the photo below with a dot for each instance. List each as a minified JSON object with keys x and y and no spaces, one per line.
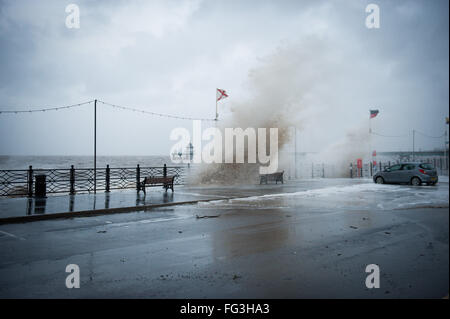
{"x":408,"y":167}
{"x":426,"y":166}
{"x":395,"y":167}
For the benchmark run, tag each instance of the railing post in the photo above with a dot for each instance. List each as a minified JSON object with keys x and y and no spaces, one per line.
{"x":138,"y":178}
{"x":323,"y":170}
{"x":30,"y":181}
{"x":72,"y":180}
{"x":107,"y":179}
{"x":165,"y":170}
{"x":371,"y":168}
{"x":351,"y":170}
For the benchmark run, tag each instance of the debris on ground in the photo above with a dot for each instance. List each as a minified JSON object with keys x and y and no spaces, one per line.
{"x":354,"y":227}
{"x":236,"y":277}
{"x":101,"y":231}
{"x":207,"y":216}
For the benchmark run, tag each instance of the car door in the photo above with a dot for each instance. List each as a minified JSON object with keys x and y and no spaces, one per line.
{"x":406,"y":173}
{"x":392,"y":175}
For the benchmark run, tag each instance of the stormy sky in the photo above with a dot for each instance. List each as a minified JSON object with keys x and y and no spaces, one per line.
{"x":170,"y":56}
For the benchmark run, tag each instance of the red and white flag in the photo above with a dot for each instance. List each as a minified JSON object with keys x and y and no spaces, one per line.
{"x":221,"y":94}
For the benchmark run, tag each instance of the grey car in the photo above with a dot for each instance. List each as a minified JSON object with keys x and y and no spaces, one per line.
{"x":410,"y":173}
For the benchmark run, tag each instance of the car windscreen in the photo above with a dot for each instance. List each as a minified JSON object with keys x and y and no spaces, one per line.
{"x":426,"y":166}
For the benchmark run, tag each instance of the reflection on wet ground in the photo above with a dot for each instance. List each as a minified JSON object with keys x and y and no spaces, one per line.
{"x":286,"y":214}
{"x":305,"y":239}
{"x":36,"y":206}
{"x":323,"y":193}
{"x":10,"y":207}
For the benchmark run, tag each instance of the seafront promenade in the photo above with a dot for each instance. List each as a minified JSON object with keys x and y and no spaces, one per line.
{"x":86,"y":204}
{"x":302,"y":239}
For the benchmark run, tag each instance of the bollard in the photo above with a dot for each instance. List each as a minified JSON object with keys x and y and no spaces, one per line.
{"x":351,"y":170}
{"x":371,"y":168}
{"x":40,"y":187}
{"x":165,"y":170}
{"x":107,"y":179}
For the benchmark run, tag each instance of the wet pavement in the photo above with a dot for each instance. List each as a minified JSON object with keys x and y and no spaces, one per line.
{"x":309,"y":239}
{"x":62,"y":203}
{"x":23,"y":206}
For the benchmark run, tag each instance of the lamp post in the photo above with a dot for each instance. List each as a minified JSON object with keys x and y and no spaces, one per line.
{"x":95,"y":146}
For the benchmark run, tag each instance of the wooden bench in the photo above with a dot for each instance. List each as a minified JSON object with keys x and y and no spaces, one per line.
{"x":165,"y":182}
{"x":277,"y":177}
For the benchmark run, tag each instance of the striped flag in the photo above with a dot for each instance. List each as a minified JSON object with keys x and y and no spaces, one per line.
{"x":373,"y":113}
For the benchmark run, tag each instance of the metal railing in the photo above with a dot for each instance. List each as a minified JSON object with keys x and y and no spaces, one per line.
{"x":72,"y":181}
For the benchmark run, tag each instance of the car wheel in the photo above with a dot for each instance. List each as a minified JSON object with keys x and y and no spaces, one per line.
{"x":379,"y":180}
{"x":415,"y":181}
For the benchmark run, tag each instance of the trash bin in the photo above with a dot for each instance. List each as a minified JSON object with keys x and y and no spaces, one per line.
{"x":40,"y":187}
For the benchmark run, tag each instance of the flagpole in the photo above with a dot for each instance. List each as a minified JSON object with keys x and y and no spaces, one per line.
{"x":217,"y":114}
{"x":295,"y":151}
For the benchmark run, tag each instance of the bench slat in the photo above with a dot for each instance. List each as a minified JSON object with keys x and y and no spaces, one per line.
{"x":157,"y":180}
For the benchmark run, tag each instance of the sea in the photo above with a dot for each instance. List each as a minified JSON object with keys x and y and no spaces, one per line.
{"x":23,"y":162}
